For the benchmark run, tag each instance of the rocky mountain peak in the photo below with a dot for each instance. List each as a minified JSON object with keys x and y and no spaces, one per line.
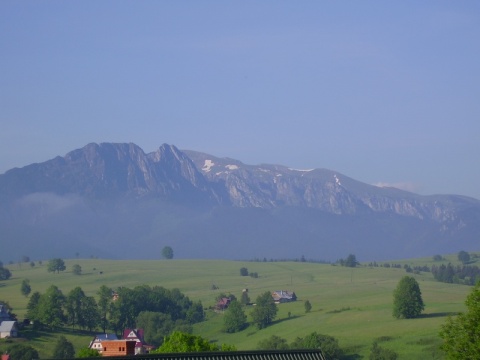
{"x":207,"y":202}
{"x":169,"y":159}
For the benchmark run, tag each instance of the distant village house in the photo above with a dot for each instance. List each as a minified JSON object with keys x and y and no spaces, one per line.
{"x":8,"y":327}
{"x":223,"y":304}
{"x":96,"y":343}
{"x":118,"y":347}
{"x":283,"y":296}
{"x":137,"y":335}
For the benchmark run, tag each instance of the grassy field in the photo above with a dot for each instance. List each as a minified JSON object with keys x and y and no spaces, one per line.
{"x":352,"y":304}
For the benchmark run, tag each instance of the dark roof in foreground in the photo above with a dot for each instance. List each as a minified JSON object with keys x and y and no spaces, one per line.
{"x":230,"y":355}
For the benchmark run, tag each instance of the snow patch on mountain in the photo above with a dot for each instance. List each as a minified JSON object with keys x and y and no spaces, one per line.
{"x":231,"y":167}
{"x":337,"y":180}
{"x":301,"y":170}
{"x":208,"y":165}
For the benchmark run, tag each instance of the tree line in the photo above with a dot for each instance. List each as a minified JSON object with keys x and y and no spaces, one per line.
{"x":116,"y":310}
{"x":460,"y":274}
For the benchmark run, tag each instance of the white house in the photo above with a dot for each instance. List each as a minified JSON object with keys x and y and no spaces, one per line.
{"x":8,"y":329}
{"x":96,"y":343}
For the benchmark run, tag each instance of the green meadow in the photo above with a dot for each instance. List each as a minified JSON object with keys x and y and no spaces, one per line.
{"x":352,"y":304}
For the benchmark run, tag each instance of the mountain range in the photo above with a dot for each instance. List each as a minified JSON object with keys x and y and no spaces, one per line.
{"x":113,"y":200}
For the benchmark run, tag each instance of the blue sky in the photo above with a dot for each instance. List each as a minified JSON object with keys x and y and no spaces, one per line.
{"x":386,"y":92}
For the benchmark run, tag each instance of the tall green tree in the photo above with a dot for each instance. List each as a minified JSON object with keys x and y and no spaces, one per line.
{"x":25,"y":287}
{"x":463,"y":256}
{"x":32,"y":307}
{"x":351,"y":261}
{"x":124,"y":310}
{"x":265,"y":310}
{"x":104,"y":302}
{"x":234,"y":318}
{"x":461,"y":335}
{"x":5,"y":274}
{"x":77,"y":269}
{"x":56,"y":265}
{"x":407,"y":299}
{"x":50,"y":307}
{"x":73,"y":307}
{"x":245,"y":299}
{"x":167,"y":252}
{"x":195,"y":313}
{"x":308,"y":306}
{"x":90,"y":314}
{"x":63,"y":349}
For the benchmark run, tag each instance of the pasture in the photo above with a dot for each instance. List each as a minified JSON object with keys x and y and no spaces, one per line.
{"x":352,"y":304}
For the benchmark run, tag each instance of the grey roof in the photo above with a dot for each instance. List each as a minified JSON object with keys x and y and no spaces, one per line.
{"x":232,"y":355}
{"x":103,"y":337}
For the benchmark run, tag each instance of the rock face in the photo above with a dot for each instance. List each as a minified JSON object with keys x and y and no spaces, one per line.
{"x":204,"y":206}
{"x":107,"y":170}
{"x":271,"y":186}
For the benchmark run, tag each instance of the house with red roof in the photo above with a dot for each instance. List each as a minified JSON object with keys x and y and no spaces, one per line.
{"x":137,"y":335}
{"x":223,"y":303}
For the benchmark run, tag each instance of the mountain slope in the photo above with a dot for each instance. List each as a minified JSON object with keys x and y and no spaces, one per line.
{"x":269,"y":186}
{"x":114,"y":200}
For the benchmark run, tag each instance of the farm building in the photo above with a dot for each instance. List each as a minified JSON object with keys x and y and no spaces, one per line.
{"x":283,"y":296}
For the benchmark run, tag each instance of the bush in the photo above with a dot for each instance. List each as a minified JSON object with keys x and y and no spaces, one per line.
{"x":22,"y":352}
{"x":87,"y":353}
{"x":328,"y":345}
{"x":380,"y":353}
{"x":274,"y":342}
{"x":5,"y":274}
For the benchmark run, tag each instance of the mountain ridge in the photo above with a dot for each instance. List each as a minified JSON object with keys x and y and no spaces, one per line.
{"x":114,"y":194}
